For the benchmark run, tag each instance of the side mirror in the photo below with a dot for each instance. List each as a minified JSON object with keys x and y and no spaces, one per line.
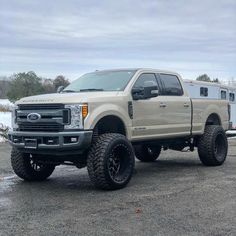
{"x":138,"y":93}
{"x":145,"y":92}
{"x":151,"y":92}
{"x":60,"y":88}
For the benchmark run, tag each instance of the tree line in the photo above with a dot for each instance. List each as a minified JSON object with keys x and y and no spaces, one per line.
{"x":27,"y":84}
{"x":206,"y":78}
{"x":4,"y":87}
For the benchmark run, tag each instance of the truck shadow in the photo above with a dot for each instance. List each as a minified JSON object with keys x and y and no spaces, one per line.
{"x":167,"y":165}
{"x":75,"y":180}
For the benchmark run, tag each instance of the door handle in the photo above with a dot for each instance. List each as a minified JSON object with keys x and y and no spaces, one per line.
{"x":162,"y":105}
{"x":186,"y":105}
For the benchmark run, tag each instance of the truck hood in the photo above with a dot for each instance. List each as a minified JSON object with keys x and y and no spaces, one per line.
{"x":67,"y":98}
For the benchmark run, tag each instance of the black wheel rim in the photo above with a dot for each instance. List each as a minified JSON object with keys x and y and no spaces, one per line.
{"x":151,"y":151}
{"x":220,"y":147}
{"x":35,"y":165}
{"x":119,"y":162}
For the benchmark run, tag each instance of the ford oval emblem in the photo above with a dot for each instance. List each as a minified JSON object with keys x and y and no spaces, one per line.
{"x":33,"y":117}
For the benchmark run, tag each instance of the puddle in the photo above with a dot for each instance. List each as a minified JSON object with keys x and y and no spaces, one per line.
{"x":6,"y":184}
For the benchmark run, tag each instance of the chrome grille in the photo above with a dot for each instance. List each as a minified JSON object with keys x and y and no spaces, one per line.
{"x":53,"y":117}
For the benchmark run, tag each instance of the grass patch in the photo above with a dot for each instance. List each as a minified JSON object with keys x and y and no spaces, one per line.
{"x":3,"y":131}
{"x":5,"y":108}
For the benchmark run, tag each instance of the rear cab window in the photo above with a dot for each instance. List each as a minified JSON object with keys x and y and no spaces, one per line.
{"x":171,"y":85}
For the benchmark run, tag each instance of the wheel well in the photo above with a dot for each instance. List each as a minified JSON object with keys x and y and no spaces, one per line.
{"x":213,"y":119}
{"x":110,"y":124}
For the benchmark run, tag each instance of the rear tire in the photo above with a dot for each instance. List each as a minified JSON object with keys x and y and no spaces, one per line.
{"x":110,"y":161}
{"x":147,"y":153}
{"x":27,"y":168}
{"x":213,"y":146}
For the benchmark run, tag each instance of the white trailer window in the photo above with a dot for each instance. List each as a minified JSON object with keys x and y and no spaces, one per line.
{"x":223,"y":94}
{"x":232,"y":97}
{"x":204,"y":92}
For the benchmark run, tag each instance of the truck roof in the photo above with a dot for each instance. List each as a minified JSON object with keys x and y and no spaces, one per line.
{"x":142,"y":69}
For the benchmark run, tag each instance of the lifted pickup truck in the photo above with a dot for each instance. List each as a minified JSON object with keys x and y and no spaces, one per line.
{"x":105,"y":118}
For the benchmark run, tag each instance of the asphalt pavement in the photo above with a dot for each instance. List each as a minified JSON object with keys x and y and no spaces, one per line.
{"x":175,"y":195}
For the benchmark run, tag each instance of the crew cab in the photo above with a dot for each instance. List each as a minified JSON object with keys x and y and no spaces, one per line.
{"x":105,"y":118}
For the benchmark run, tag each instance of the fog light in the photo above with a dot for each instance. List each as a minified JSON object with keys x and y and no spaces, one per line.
{"x":73,"y":139}
{"x":70,"y":140}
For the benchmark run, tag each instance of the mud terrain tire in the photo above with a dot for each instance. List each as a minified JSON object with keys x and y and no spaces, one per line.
{"x":26,"y":168}
{"x":145,"y":153}
{"x":213,"y":146}
{"x":110,"y":161}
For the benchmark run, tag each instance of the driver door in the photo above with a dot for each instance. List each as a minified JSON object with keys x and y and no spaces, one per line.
{"x":147,"y":115}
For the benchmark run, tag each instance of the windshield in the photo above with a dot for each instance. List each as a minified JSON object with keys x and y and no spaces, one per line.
{"x":101,"y":81}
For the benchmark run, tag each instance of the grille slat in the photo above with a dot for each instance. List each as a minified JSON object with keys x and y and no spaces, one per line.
{"x":40,"y":106}
{"x":41,"y":127}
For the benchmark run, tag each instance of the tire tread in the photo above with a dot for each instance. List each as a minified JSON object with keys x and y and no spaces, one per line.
{"x":142,"y":154}
{"x":205,"y":150}
{"x":95,"y":161}
{"x":22,"y":168}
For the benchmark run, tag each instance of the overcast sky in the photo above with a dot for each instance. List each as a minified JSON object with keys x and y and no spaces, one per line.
{"x":73,"y":37}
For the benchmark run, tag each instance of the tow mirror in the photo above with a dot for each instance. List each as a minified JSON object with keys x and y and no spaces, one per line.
{"x":144,"y":92}
{"x":151,"y":92}
{"x":138,"y":93}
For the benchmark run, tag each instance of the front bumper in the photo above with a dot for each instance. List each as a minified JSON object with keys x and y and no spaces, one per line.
{"x":49,"y":141}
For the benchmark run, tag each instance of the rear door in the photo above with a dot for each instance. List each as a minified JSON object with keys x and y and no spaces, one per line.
{"x":177,"y":106}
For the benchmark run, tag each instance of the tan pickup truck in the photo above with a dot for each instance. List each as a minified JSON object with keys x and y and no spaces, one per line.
{"x":105,"y":118}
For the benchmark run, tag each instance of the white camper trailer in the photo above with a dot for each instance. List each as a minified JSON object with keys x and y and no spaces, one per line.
{"x":208,"y":90}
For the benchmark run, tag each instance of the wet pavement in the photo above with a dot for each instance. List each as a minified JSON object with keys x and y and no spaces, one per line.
{"x":176,"y":195}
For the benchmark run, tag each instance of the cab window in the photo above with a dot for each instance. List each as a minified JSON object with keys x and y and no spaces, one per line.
{"x":146,"y":80}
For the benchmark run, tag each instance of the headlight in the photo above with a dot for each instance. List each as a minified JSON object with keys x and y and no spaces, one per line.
{"x":13,"y":117}
{"x":78,"y":113}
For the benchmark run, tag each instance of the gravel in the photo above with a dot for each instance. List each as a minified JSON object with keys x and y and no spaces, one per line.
{"x":176,"y":195}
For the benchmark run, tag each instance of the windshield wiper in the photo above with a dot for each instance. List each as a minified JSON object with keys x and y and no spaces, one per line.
{"x":69,"y":91}
{"x":91,"y":89}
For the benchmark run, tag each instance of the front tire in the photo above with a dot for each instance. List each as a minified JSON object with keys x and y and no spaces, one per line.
{"x":27,"y":168}
{"x":147,"y":153}
{"x":213,"y":146}
{"x":111,"y":161}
